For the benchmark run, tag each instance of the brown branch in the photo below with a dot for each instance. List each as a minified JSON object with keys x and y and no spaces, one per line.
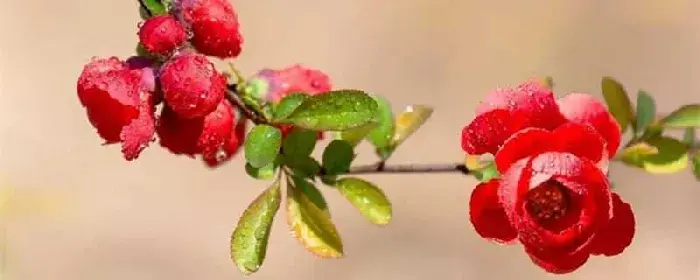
{"x":232,"y":96}
{"x":382,"y":168}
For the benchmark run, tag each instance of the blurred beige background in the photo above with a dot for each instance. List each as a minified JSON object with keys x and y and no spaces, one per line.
{"x":167,"y":217}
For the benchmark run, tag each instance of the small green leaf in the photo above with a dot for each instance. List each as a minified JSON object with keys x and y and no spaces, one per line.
{"x":408,"y":122}
{"x":263,"y":173}
{"x":487,"y":173}
{"x":696,"y":165}
{"x":337,"y":157}
{"x":685,"y":116}
{"x":262,"y":145}
{"x":689,"y":136}
{"x":255,"y":88}
{"x":333,"y":111}
{"x":313,"y":193}
{"x":303,"y":166}
{"x":299,"y":143}
{"x":312,"y":226}
{"x":646,"y":111}
{"x":249,"y":239}
{"x":288,"y":104}
{"x":381,"y":136}
{"x":618,"y":102}
{"x":369,"y":199}
{"x":660,"y":155}
{"x":155,"y":7}
{"x":355,"y":135}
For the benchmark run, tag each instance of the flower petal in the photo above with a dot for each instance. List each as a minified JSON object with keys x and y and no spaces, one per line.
{"x":580,"y":140}
{"x":531,"y":98}
{"x":557,"y":263}
{"x":524,"y":143}
{"x":584,"y":109}
{"x":587,"y":187}
{"x":583,"y":141}
{"x":487,"y":214}
{"x":487,"y":132}
{"x":618,"y":233}
{"x":139,"y":133}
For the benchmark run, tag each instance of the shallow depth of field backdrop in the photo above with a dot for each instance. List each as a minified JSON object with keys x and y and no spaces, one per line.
{"x":168,"y":217}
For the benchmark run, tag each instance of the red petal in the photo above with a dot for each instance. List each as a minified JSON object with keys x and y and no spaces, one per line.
{"x":618,"y":233}
{"x":139,"y":133}
{"x":531,"y":98}
{"x":584,"y":109}
{"x":580,"y":140}
{"x":588,"y":189}
{"x":487,"y":132}
{"x":524,"y":143}
{"x":487,"y":215}
{"x":557,"y":263}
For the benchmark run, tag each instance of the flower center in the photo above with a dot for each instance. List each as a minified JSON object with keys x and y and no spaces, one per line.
{"x":548,"y":203}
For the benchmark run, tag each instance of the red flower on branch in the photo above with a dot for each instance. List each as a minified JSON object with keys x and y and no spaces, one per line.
{"x":162,"y":35}
{"x":214,"y":26}
{"x":276,"y":84}
{"x":553,"y":196}
{"x":119,"y":102}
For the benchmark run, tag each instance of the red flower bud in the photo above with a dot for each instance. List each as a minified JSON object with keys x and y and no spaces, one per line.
{"x":192,"y":87}
{"x":118,"y":105}
{"x":214,"y":26}
{"x":162,"y":35}
{"x":295,"y":78}
{"x":206,"y":136}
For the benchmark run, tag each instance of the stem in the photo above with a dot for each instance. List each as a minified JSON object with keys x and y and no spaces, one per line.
{"x":232,"y":96}
{"x":382,"y":168}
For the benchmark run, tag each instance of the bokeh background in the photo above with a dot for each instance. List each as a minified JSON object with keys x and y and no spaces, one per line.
{"x":168,"y":217}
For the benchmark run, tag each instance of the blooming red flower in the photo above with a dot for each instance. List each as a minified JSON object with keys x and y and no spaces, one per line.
{"x":119,"y":103}
{"x":162,"y":35}
{"x":192,"y":87}
{"x":208,"y":136}
{"x":214,"y":26}
{"x":553,"y":196}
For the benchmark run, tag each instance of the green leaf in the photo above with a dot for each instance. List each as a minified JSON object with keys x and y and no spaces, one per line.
{"x":487,"y":173}
{"x":333,"y":111}
{"x":288,"y":104}
{"x":618,"y":102}
{"x":249,"y":239}
{"x":354,"y":135}
{"x":660,"y":155}
{"x":155,"y":7}
{"x":262,"y":145}
{"x":367,"y":198}
{"x":685,"y":116}
{"x":408,"y":122}
{"x":256,"y":89}
{"x":689,"y":136}
{"x":337,"y":157}
{"x":311,"y":226}
{"x":311,"y":192}
{"x":646,"y":110}
{"x":263,"y":173}
{"x":381,"y":136}
{"x":303,"y":166}
{"x":299,"y":143}
{"x":696,"y":165}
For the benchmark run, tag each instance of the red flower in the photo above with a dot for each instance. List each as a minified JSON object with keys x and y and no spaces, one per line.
{"x":119,"y":103}
{"x":208,"y":136}
{"x":296,"y":78}
{"x":230,"y":148}
{"x":274,"y":85}
{"x":162,"y":35}
{"x":553,"y":196}
{"x":214,"y":26}
{"x":192,"y":87}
